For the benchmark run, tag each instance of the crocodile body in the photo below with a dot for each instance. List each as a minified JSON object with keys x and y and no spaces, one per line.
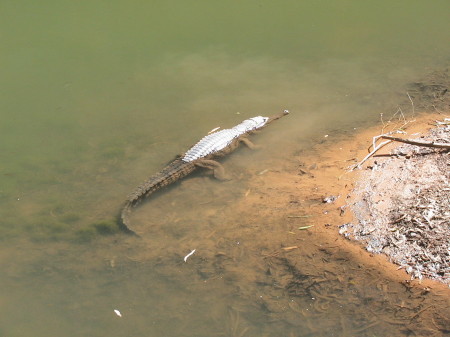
{"x":214,"y":145}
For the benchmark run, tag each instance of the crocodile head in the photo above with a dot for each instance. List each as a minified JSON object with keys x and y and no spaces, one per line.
{"x":251,"y":124}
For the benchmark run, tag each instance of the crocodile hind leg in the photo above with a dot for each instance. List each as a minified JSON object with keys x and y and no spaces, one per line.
{"x":217,"y":168}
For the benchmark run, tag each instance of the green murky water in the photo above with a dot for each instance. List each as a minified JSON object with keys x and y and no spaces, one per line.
{"x":95,"y":96}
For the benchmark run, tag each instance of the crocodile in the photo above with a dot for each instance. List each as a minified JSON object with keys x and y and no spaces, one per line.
{"x":202,"y":154}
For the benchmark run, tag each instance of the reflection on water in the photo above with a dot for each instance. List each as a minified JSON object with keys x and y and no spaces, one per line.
{"x":95,"y":97}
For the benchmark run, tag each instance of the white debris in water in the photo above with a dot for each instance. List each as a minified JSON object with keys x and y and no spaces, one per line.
{"x":215,"y":129}
{"x":187,"y":256}
{"x":117,"y":312}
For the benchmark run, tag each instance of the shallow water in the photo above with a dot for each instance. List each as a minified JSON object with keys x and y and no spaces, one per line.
{"x":95,"y":97}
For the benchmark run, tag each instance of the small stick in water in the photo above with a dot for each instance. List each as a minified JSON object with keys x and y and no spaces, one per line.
{"x":215,"y":129}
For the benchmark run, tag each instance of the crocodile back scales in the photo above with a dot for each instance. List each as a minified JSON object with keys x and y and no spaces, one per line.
{"x":219,"y":140}
{"x":171,"y":173}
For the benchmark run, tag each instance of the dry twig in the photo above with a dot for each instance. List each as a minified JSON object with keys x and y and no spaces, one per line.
{"x":376,"y":148}
{"x":417,"y":142}
{"x":401,"y":140}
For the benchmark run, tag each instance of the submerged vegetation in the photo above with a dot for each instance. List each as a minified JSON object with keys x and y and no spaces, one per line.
{"x":96,"y":229}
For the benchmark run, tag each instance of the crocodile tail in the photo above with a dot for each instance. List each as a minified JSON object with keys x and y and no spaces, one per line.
{"x":125,"y":217}
{"x":171,"y":173}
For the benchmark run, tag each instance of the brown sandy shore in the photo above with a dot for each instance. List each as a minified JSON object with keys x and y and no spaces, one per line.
{"x":397,"y":206}
{"x":316,"y":189}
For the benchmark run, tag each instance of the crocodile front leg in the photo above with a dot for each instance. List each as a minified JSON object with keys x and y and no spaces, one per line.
{"x":217,"y":168}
